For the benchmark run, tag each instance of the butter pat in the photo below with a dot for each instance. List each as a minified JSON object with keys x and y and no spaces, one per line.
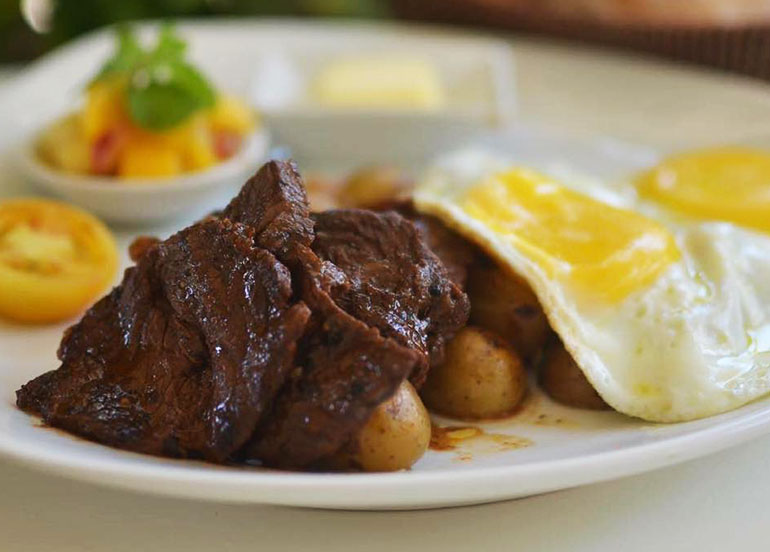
{"x":380,"y":82}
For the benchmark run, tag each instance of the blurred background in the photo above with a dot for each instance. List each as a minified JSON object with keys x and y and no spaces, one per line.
{"x":732,"y":35}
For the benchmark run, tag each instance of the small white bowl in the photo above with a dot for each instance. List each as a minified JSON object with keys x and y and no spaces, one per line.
{"x":147,"y":200}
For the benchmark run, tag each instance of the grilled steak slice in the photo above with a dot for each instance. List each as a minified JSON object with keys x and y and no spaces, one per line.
{"x":344,"y":367}
{"x":456,"y":253}
{"x":382,"y":307}
{"x":346,"y":370}
{"x":274,"y":203}
{"x":185,"y":356}
{"x":393,"y":282}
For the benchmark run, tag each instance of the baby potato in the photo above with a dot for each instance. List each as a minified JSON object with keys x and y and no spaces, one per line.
{"x":394,"y":438}
{"x":481,"y":377}
{"x":322,"y":192}
{"x":565,"y":382}
{"x":374,"y":186}
{"x":397,"y":434}
{"x":504,"y":303}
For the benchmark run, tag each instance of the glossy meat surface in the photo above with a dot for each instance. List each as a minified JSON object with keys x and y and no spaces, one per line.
{"x":254,"y":336}
{"x":347,"y":370}
{"x":456,"y":253}
{"x":184,"y":357}
{"x":393,"y":281}
{"x":273,"y":202}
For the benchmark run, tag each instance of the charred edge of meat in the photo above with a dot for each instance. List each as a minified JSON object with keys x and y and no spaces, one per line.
{"x":274,"y":203}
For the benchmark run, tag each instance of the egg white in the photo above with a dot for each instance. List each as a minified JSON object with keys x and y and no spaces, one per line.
{"x":693,"y":344}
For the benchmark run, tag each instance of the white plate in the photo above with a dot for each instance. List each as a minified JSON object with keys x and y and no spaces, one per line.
{"x":568,"y":448}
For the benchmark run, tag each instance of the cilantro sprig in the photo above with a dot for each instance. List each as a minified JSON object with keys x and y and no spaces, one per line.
{"x":162,"y":88}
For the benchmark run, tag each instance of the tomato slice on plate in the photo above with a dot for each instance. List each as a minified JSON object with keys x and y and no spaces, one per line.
{"x":54,"y":260}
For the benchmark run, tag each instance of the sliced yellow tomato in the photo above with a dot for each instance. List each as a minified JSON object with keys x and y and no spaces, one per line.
{"x":55,"y":260}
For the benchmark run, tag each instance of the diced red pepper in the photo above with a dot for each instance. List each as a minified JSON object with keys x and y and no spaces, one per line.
{"x":226,"y":143}
{"x":105,"y":151}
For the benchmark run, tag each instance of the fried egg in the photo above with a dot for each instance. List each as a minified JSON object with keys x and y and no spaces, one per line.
{"x":659,"y":287}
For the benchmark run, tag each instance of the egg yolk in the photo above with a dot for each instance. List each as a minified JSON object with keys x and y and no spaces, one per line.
{"x":605,"y":252}
{"x":730,"y":184}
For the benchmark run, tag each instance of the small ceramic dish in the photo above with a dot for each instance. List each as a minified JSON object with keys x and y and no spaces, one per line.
{"x":146,"y":200}
{"x":475,"y":76}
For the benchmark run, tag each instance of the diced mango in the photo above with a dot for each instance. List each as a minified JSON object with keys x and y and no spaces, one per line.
{"x":142,"y":159}
{"x":104,"y":109}
{"x":233,"y":115}
{"x":102,"y":138}
{"x":174,"y":138}
{"x":64,"y":146}
{"x":198,"y":153}
{"x":191,"y":141}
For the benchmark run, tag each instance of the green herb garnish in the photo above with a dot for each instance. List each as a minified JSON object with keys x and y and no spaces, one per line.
{"x":162,"y":89}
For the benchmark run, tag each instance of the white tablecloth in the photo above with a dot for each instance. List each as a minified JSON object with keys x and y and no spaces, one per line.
{"x":721,"y":503}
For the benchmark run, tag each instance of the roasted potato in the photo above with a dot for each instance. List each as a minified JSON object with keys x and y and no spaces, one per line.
{"x":481,"y":377}
{"x":505,"y":304}
{"x":322,"y":192}
{"x":374,"y":186}
{"x":394,"y":438}
{"x":565,"y":382}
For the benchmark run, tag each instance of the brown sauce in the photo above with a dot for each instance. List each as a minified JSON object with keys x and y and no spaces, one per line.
{"x":532,"y":411}
{"x":467,"y":440}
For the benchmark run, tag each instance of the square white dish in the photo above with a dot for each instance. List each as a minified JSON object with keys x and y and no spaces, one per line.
{"x":477,"y":75}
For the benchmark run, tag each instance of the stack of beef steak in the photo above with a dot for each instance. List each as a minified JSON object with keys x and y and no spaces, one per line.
{"x":263,"y":334}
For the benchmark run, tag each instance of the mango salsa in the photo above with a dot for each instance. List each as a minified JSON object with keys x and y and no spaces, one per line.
{"x":142,"y":160}
{"x":230,"y":114}
{"x":148,"y":113}
{"x":102,"y":140}
{"x":104,"y":110}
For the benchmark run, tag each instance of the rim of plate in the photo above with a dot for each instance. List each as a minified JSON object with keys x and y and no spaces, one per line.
{"x":355,"y":490}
